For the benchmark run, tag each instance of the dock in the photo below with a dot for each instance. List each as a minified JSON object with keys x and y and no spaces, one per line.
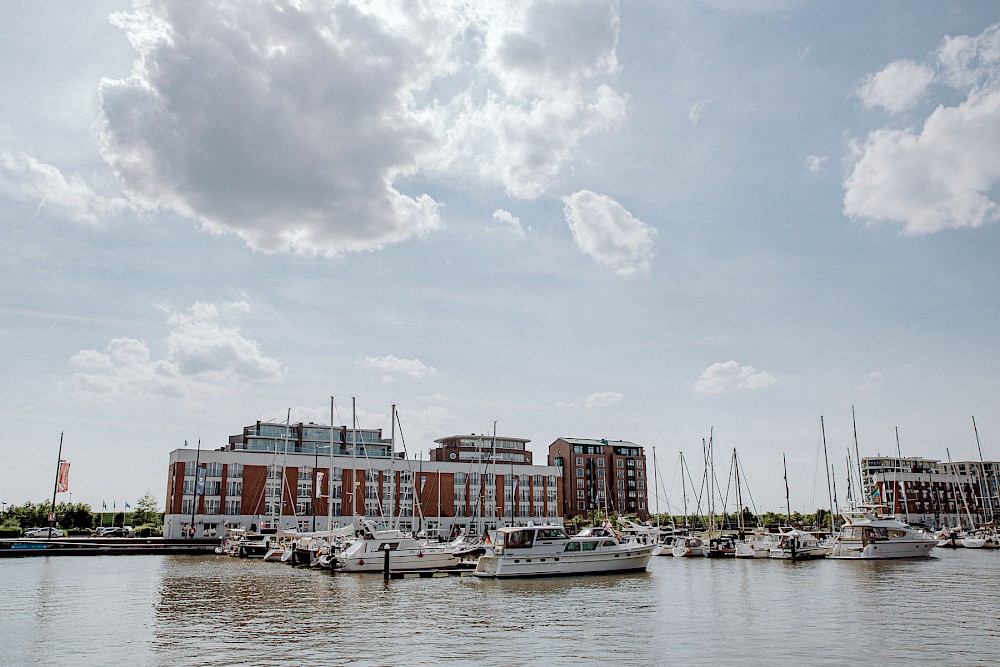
{"x":106,"y":546}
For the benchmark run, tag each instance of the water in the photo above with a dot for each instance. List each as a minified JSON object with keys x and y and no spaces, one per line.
{"x":181,"y":610}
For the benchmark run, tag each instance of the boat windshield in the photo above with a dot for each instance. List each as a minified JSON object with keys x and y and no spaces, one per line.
{"x":520,"y":539}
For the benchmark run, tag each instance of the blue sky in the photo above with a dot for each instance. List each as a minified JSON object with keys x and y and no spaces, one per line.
{"x":634,"y":221}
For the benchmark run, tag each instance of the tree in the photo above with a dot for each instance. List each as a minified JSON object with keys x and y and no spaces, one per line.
{"x":146,"y":512}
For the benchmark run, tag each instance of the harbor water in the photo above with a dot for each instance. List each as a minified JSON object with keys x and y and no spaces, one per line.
{"x":196,"y":610}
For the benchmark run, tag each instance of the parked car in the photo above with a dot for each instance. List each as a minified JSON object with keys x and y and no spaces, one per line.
{"x":114,"y":531}
{"x":43,"y":532}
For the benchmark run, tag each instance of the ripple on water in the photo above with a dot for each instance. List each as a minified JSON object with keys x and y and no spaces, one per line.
{"x":191,"y":610}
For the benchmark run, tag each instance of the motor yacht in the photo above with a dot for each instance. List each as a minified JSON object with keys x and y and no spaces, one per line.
{"x":868,"y":535}
{"x":547,"y":550}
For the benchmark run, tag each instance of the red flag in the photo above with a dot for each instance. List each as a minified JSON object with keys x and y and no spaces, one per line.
{"x":62,"y":484}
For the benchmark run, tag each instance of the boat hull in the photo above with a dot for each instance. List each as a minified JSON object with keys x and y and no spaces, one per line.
{"x":399,"y":562}
{"x":851,"y":550}
{"x":515,"y":565}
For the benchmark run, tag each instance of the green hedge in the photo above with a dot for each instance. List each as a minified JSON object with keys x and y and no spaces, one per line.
{"x":10,"y":532}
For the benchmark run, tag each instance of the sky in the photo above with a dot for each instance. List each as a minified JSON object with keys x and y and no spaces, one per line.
{"x":648,"y":221}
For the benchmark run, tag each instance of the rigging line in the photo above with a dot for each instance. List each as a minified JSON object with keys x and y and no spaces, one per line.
{"x":749,"y":495}
{"x":409,"y":465}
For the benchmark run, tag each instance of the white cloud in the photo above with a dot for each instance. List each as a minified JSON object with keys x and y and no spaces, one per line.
{"x":602,"y":399}
{"x":723,"y":376}
{"x":392,"y":366}
{"x":897,"y":87}
{"x":509,"y":222}
{"x":204,"y":355}
{"x":24,"y":178}
{"x":971,"y":61}
{"x":814,"y":163}
{"x":941,"y":176}
{"x":936,"y":179}
{"x":603,"y":229}
{"x":291,"y":124}
{"x":695,"y":111}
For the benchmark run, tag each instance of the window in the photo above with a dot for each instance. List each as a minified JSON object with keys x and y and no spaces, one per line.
{"x":579,"y":494}
{"x":579,"y":460}
{"x":619,"y":463}
{"x":600,"y":463}
{"x":579,"y":483}
{"x":600,"y":473}
{"x":579,"y":505}
{"x":579,"y":472}
{"x":234,"y":470}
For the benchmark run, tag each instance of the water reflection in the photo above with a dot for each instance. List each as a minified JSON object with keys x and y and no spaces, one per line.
{"x":192,"y":610}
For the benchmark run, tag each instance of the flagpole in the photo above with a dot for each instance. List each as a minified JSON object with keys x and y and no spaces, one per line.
{"x":55,"y":487}
{"x":194,"y":491}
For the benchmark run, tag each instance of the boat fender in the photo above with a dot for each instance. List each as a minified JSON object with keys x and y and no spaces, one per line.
{"x":361,"y":561}
{"x":420,"y":554}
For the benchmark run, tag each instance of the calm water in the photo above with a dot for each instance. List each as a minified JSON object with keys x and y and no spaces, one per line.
{"x":179,"y":610}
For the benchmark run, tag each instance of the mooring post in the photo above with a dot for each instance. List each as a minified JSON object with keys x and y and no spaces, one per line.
{"x":385,"y":563}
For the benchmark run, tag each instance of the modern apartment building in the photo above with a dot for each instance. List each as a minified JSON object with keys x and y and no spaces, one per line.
{"x":604,"y":475}
{"x":932,"y":492}
{"x":277,"y":476}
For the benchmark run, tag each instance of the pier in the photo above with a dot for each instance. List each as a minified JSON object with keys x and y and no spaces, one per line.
{"x":97,"y":546}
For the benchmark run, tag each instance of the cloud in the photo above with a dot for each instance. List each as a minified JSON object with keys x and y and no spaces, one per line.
{"x":204,"y":354}
{"x":814,"y":163}
{"x":509,"y":222}
{"x":723,"y":376}
{"x":24,"y":178}
{"x":603,"y":229}
{"x":942,"y":175}
{"x":602,"y":399}
{"x":897,"y":87}
{"x":695,"y":111}
{"x":291,"y":124}
{"x":393,"y":366}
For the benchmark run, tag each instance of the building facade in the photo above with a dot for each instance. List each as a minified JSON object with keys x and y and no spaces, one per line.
{"x":601,"y":475}
{"x":273,"y":476}
{"x":482,"y":448}
{"x":934,"y":493}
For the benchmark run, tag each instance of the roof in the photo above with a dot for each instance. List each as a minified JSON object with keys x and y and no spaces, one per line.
{"x":603,"y":441}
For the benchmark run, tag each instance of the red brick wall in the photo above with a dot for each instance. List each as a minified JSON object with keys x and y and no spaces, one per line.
{"x":254,"y":479}
{"x":291,"y":491}
{"x":175,"y":488}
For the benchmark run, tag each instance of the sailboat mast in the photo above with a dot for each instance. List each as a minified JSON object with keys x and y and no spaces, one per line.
{"x":901,"y":492}
{"x":788,"y":502}
{"x":656,"y":488}
{"x":739,"y":492}
{"x":391,"y":472}
{"x":329,"y":480}
{"x":826,"y":462}
{"x":987,"y":499}
{"x":354,"y":465}
{"x":857,"y":455}
{"x":684,"y":491}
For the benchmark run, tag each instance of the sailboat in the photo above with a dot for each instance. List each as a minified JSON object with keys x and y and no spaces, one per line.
{"x":795,"y":544}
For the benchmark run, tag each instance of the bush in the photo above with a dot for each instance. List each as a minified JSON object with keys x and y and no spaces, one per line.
{"x":8,"y":531}
{"x":149,"y":531}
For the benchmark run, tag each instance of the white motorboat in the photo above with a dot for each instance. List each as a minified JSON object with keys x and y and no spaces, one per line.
{"x":867,"y":535}
{"x":689,"y":546}
{"x":546,"y":550}
{"x":756,"y":545}
{"x":797,"y":545}
{"x":405,"y":553}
